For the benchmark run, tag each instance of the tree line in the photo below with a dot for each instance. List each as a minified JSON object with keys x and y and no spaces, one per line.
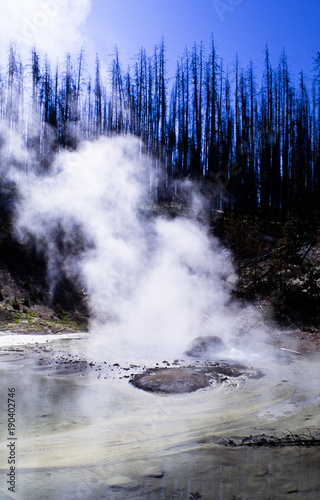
{"x":256,"y":147}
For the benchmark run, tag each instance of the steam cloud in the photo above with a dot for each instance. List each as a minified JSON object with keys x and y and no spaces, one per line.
{"x":51,"y":25}
{"x":150,"y":281}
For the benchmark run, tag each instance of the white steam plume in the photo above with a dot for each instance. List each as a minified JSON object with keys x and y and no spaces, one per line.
{"x":150,"y":281}
{"x":51,"y":25}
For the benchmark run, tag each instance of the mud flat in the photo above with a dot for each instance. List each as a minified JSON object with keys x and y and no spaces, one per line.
{"x":85,"y":432}
{"x":190,"y":378}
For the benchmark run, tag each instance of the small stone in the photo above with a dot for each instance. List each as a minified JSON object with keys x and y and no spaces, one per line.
{"x":123,"y":482}
{"x":155,"y":472}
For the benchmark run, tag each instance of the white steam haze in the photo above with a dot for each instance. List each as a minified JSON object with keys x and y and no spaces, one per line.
{"x":50,"y":25}
{"x":150,"y":281}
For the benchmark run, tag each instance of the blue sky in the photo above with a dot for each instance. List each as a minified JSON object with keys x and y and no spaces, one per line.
{"x":243,"y":26}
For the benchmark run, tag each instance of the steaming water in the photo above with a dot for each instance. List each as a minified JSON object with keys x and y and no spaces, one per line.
{"x":153,"y":278}
{"x":82,"y":437}
{"x":153,"y":285}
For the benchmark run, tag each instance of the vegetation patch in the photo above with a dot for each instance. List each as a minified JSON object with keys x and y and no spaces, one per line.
{"x":30,"y":321}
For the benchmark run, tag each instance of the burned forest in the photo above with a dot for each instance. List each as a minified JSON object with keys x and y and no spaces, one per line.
{"x":252,"y":149}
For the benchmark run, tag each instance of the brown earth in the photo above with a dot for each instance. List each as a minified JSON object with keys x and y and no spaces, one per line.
{"x":25,"y":307}
{"x":278,"y":267}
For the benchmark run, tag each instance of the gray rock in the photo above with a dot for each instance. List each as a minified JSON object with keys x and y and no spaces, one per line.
{"x":155,"y":472}
{"x":171,"y":380}
{"x":202,"y":347}
{"x":190,"y":378}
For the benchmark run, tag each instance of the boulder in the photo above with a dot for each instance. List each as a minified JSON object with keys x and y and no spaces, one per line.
{"x":203,"y":347}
